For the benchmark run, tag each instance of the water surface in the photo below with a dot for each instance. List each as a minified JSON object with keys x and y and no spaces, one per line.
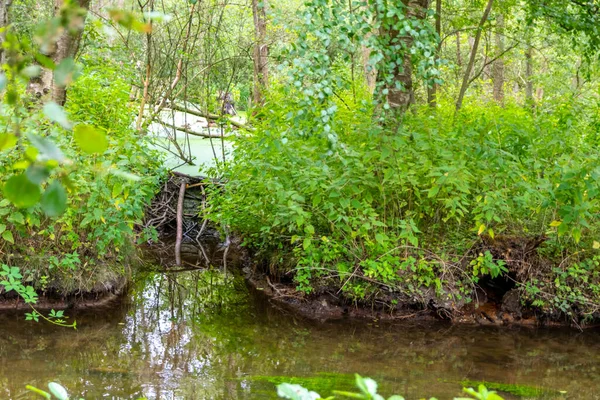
{"x":200,"y":335}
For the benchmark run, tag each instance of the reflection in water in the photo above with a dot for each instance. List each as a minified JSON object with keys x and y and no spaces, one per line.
{"x":200,"y":335}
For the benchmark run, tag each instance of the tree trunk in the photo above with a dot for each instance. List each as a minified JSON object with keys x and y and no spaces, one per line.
{"x":67,"y":46}
{"x":432,"y":91}
{"x":261,"y":51}
{"x":467,"y":75}
{"x":4,"y":5}
{"x":370,"y":71}
{"x":458,"y":51}
{"x":401,"y":98}
{"x":529,"y":75}
{"x":498,"y":67}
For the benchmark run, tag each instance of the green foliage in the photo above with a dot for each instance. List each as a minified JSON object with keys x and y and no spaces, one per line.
{"x":400,"y":210}
{"x":76,"y":180}
{"x":368,"y":391}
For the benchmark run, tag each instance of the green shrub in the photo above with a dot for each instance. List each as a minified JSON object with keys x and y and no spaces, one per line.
{"x":410,"y":207}
{"x":91,"y":241}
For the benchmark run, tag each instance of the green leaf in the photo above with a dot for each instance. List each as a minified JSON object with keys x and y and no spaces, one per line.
{"x":7,"y":140}
{"x":8,"y":236}
{"x":66,"y":72}
{"x":2,"y":228}
{"x":38,"y":391}
{"x":31,"y":71}
{"x":55,"y":113}
{"x":306,"y":243}
{"x":37,"y":174}
{"x":17,"y":218}
{"x":295,"y":392}
{"x":46,"y":147}
{"x":58,"y":391}
{"x":433,"y":191}
{"x":21,"y":191}
{"x":54,"y":200}
{"x":90,"y":139}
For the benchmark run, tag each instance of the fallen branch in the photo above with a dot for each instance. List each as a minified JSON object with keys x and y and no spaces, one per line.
{"x":194,"y":133}
{"x":213,"y":117}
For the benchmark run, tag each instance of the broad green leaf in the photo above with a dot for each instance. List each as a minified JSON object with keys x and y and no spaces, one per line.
{"x":306,"y":243}
{"x":58,"y":391}
{"x":90,"y":139}
{"x":295,"y":392}
{"x":433,"y":191}
{"x":46,"y":147}
{"x":2,"y":228}
{"x":8,"y":236}
{"x":16,"y":218}
{"x":37,"y":174}
{"x":54,"y":200}
{"x":31,"y":71}
{"x":55,"y":113}
{"x":66,"y":72}
{"x":7,"y":140}
{"x":21,"y":191}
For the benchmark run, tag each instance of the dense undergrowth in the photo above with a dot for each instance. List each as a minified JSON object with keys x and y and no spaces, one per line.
{"x":427,"y":210}
{"x":87,"y":247}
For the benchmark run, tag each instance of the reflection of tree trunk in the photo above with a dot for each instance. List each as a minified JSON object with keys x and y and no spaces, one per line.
{"x":261,"y":51}
{"x":4,"y":5}
{"x":498,"y":67}
{"x":401,"y":98}
{"x":432,"y":91}
{"x":67,"y":46}
{"x":467,"y":75}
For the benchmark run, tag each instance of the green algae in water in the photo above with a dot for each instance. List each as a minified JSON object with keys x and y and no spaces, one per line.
{"x":322,"y":383}
{"x":514,"y":389}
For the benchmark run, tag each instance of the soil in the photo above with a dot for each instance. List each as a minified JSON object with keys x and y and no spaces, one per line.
{"x":109,"y":293}
{"x":328,"y":306}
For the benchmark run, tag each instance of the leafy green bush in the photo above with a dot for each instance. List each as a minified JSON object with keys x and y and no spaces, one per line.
{"x":423,"y":209}
{"x":89,"y":236}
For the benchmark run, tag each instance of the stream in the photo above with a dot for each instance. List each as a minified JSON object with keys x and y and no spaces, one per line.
{"x":205,"y":335}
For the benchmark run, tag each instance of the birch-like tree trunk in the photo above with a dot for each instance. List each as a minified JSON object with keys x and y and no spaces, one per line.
{"x":498,"y":66}
{"x":261,"y":51}
{"x":4,"y":5}
{"x":432,"y":91}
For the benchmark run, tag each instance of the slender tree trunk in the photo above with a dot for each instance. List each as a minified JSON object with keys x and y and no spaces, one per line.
{"x":432,"y":91}
{"x":458,"y":51}
{"x":261,"y":51}
{"x":498,"y":67}
{"x":529,"y":100}
{"x":467,"y":75}
{"x":370,"y":71}
{"x":67,"y":46}
{"x":401,"y":98}
{"x":4,"y":6}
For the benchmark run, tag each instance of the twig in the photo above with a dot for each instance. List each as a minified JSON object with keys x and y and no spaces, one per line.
{"x":179,"y":225}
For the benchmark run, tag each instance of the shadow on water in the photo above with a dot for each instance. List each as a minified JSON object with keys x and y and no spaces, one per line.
{"x":202,"y":335}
